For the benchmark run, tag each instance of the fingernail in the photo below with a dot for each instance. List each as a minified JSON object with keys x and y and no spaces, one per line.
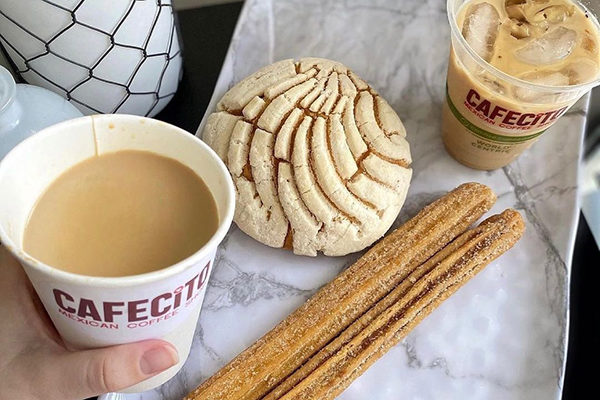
{"x":158,"y":359}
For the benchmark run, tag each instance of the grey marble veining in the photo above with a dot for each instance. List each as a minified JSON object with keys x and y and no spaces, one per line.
{"x":503,"y":335}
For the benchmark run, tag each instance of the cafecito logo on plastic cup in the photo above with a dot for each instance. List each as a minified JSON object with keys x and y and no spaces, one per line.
{"x":500,"y":124}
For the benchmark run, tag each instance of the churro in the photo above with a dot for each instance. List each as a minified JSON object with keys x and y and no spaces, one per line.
{"x":277,"y":355}
{"x":335,"y":366}
{"x":364,"y":321}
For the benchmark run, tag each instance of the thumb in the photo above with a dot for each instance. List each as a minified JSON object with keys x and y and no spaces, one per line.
{"x":91,"y":372}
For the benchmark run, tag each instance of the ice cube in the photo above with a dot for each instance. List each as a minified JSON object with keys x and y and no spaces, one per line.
{"x":554,"y":14}
{"x":518,"y":29}
{"x":480,"y":29}
{"x":549,"y":48}
{"x":547,"y":78}
{"x":492,"y":83}
{"x":581,"y":70}
{"x":514,"y":10}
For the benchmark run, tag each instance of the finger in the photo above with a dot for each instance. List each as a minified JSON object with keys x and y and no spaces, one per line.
{"x":91,"y":372}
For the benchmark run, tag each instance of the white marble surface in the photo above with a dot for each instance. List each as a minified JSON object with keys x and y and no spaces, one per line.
{"x":503,"y":335}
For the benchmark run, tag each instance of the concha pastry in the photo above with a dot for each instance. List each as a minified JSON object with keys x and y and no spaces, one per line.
{"x":319,"y":160}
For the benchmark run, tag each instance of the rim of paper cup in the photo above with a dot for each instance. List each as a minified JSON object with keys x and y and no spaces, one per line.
{"x":131,"y":280}
{"x":456,"y":33}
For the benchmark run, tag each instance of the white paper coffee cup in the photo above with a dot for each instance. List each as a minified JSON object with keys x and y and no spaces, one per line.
{"x":90,"y":311}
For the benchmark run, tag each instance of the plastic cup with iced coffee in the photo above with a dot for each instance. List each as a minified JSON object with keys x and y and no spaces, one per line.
{"x":515,"y":67}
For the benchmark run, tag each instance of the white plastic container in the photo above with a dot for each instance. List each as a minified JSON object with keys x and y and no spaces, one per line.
{"x":26,"y":109}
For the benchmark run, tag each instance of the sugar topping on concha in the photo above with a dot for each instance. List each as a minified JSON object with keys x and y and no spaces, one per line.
{"x":319,"y":160}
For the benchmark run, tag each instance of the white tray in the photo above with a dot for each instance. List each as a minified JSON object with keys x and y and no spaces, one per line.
{"x":502,"y":336}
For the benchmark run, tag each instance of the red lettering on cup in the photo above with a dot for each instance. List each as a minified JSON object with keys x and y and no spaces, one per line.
{"x":497,"y":112}
{"x":494,"y":114}
{"x":484,"y":107}
{"x":204,"y":275}
{"x":546,"y":116}
{"x":190,"y":286}
{"x":508,"y":119}
{"x":109,"y":310}
{"x":59,"y":295}
{"x":87,"y":308}
{"x":472,"y":93}
{"x":137,"y":312}
{"x":133,"y":310}
{"x":558,"y":113}
{"x":155,"y":304}
{"x":523,"y":117}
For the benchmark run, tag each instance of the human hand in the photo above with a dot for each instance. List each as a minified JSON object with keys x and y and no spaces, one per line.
{"x":35,"y":364}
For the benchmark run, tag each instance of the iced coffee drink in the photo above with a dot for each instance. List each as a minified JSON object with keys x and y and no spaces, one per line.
{"x":515,"y":67}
